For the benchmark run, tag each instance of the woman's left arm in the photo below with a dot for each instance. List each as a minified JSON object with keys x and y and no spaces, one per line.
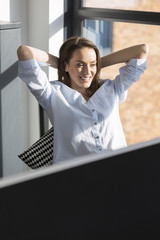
{"x":135,"y":52}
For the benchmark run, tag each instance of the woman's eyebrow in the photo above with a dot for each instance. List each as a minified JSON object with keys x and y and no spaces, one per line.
{"x":94,"y":61}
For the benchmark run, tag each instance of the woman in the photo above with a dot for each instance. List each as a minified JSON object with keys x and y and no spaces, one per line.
{"x":83,"y":110}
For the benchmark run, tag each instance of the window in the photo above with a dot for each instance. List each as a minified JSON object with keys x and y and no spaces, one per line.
{"x":140,"y":5}
{"x":109,"y":25}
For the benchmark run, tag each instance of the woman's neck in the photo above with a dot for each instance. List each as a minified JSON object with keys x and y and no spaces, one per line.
{"x":87,"y":94}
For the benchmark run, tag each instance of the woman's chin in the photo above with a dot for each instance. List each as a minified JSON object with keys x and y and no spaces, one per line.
{"x":86,"y":83}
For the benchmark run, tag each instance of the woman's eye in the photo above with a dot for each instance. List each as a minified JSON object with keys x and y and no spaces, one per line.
{"x":79,"y":65}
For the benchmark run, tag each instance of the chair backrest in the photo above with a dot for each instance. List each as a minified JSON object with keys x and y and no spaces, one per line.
{"x":40,"y":154}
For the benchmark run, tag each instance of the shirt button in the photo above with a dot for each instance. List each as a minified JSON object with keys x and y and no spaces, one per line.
{"x":95,"y":123}
{"x":97,"y":137}
{"x":100,"y":149}
{"x":93,"y":110}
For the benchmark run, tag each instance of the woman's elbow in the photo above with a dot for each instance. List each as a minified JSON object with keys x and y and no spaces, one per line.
{"x":24,"y":53}
{"x":144,"y":50}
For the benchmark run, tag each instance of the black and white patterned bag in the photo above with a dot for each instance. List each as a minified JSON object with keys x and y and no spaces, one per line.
{"x":40,"y":154}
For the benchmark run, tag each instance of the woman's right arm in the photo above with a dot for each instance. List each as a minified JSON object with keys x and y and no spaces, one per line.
{"x":27,"y":53}
{"x":31,"y":73}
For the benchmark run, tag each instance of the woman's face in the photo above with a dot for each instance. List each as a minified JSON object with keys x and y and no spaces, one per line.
{"x":82,"y":68}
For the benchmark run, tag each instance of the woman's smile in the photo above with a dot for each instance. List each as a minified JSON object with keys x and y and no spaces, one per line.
{"x":85,"y":79}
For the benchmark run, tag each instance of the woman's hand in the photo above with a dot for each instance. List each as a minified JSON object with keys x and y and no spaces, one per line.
{"x":135,"y":52}
{"x":27,"y":53}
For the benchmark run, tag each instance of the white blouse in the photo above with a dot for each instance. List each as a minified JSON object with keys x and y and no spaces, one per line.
{"x":82,"y":127}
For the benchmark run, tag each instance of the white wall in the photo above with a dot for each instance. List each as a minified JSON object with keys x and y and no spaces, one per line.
{"x":4,"y":10}
{"x":42,"y":27}
{"x":15,"y":10}
{"x":56,"y":35}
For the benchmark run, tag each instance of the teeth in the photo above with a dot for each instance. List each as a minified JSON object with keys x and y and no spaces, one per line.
{"x":85,"y":78}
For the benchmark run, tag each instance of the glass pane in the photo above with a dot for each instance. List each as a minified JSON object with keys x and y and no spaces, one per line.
{"x":100,"y":32}
{"x":141,"y":5}
{"x":140,"y":113}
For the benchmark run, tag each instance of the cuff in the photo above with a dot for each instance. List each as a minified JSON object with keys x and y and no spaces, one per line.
{"x":31,"y":64}
{"x":138,"y":62}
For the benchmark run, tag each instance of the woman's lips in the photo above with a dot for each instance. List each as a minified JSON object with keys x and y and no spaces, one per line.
{"x":86,"y":78}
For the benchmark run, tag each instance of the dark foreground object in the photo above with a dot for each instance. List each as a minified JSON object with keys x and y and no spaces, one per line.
{"x":113,"y":196}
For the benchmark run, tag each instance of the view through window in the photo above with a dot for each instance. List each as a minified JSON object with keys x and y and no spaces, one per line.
{"x":140,"y":113}
{"x":141,"y":5}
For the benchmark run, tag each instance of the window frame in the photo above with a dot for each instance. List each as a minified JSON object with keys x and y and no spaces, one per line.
{"x":80,"y":13}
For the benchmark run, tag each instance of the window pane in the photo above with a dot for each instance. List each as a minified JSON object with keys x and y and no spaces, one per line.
{"x":140,"y":113}
{"x":100,"y":32}
{"x":141,"y":5}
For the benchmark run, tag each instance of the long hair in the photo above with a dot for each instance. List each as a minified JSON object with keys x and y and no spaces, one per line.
{"x":65,"y":54}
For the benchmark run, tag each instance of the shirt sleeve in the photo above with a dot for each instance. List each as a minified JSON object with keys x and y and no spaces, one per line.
{"x":128,"y":74}
{"x":35,"y":78}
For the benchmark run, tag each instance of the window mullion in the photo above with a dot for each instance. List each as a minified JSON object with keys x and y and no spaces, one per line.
{"x":142,"y":17}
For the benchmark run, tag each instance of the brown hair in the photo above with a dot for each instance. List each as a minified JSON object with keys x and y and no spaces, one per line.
{"x":65,"y":54}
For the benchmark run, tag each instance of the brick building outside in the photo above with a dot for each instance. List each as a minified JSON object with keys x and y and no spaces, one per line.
{"x":140,"y":113}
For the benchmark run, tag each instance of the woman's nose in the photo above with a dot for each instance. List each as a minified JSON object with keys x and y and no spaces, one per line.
{"x":87,"y":70}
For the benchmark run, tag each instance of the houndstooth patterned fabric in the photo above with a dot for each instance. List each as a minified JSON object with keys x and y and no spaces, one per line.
{"x":40,"y":154}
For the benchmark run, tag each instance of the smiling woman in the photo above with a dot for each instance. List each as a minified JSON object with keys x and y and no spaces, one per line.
{"x":83,"y":110}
